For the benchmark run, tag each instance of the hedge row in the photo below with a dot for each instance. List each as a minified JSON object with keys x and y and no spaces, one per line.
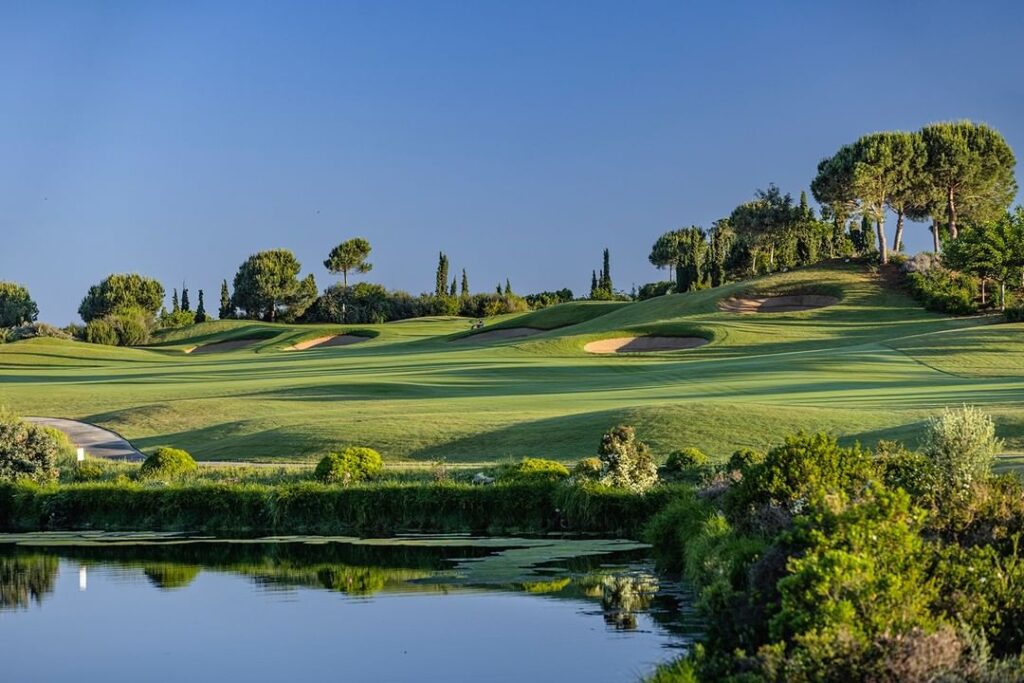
{"x":310,"y":508}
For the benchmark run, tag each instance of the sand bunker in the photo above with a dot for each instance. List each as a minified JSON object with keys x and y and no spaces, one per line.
{"x":327,"y":342}
{"x":644,"y":344}
{"x":498,"y":335}
{"x":220,"y":347}
{"x":776,"y":304}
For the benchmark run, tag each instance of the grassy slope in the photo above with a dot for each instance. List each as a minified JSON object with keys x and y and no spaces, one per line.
{"x":872,"y":366}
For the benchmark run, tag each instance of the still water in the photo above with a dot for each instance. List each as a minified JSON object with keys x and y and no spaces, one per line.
{"x":160,"y":607}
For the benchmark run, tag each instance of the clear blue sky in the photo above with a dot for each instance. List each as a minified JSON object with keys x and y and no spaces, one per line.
{"x":176,"y":138}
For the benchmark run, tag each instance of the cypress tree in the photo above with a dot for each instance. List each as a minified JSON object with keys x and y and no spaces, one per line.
{"x":454,"y":290}
{"x":593,"y":282}
{"x":226,"y":309}
{"x":465,"y":284}
{"x":185,"y":305}
{"x":606,"y":272}
{"x":441,"y":282}
{"x":508,"y":287}
{"x":175,"y":307}
{"x":201,"y":316}
{"x":498,"y":289}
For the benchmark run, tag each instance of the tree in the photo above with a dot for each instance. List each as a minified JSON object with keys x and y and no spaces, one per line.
{"x":972,"y":167}
{"x":349,"y":256}
{"x":910,"y":191}
{"x":720,"y":244}
{"x":122,"y":291}
{"x":606,"y":272}
{"x":227,"y":310}
{"x":593,"y":283}
{"x":465,"y":284}
{"x":441,"y":283}
{"x":185,"y":304}
{"x":990,"y":251}
{"x":175,"y":306}
{"x":16,"y":306}
{"x":693,"y":251}
{"x":833,"y":188}
{"x":508,"y":287}
{"x":765,"y":224}
{"x":876,"y":173}
{"x":201,"y":316}
{"x":665,"y":253}
{"x":267,"y":287}
{"x":454,"y":289}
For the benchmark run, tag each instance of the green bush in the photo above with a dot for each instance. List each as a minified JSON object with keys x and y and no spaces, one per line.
{"x":99,"y":331}
{"x":686,"y":460}
{"x":804,"y":468}
{"x":941,"y":290}
{"x":962,"y":446}
{"x":744,"y":458}
{"x":168,"y":463}
{"x":352,"y":465}
{"x":533,"y":469}
{"x":588,"y":469}
{"x":29,"y":451}
{"x":901,"y":468}
{"x":131,"y":325}
{"x":626,"y":461}
{"x":88,"y":470}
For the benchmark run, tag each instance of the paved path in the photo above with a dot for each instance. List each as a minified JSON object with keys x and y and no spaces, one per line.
{"x":97,"y":442}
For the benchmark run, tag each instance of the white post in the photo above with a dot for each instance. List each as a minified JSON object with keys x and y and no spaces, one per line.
{"x":81,"y":454}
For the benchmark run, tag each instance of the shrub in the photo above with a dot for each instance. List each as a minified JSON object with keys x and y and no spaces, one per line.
{"x":803,"y":468}
{"x":131,"y":325}
{"x":743,"y":458}
{"x":16,"y":306}
{"x":28,"y":451}
{"x":351,"y":465}
{"x":33,"y":330}
{"x":168,"y":463}
{"x":88,"y":470}
{"x":962,"y":445}
{"x":653,"y":289}
{"x":534,"y":469}
{"x":941,"y":290}
{"x":174,"y":319}
{"x":99,"y":331}
{"x":626,"y":461}
{"x":588,"y":469}
{"x":686,"y":460}
{"x":904,"y":469}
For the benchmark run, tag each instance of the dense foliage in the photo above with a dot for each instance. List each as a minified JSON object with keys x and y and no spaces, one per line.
{"x":267,"y":287}
{"x":168,"y":464}
{"x":122,"y":291}
{"x":28,"y":451}
{"x":534,"y":469}
{"x":626,"y":461}
{"x":826,"y":563}
{"x":16,"y":306}
{"x":352,"y":465}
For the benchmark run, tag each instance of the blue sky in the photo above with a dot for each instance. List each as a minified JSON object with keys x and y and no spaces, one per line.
{"x":176,"y":138}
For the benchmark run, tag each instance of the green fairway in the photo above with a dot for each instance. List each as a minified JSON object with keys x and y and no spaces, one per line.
{"x":872,"y":366}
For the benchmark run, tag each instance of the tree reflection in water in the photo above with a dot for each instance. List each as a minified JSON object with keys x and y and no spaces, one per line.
{"x":25,"y":579}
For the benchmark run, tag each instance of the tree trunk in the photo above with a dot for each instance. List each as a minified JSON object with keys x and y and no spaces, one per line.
{"x":1002,"y":295}
{"x":771,"y":258}
{"x":935,"y":239}
{"x":951,"y":213}
{"x":883,"y":248}
{"x":897,"y":243}
{"x":982,"y":291}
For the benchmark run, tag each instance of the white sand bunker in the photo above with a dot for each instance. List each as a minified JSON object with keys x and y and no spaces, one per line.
{"x":498,"y":335}
{"x":643,"y":344}
{"x":327,"y":342}
{"x":776,"y":304}
{"x":220,"y":347}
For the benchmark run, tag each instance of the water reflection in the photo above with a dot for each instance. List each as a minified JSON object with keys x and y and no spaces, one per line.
{"x":25,"y":579}
{"x":498,"y":597}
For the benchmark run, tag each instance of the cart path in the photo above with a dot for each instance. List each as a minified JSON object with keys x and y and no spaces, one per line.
{"x":97,"y":442}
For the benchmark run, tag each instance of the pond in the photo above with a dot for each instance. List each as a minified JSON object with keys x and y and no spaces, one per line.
{"x":166,"y":607}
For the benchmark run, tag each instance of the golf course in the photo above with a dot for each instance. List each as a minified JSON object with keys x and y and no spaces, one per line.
{"x":867,"y":364}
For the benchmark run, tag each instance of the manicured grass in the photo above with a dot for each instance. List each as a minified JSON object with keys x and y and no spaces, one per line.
{"x":873,"y":366}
